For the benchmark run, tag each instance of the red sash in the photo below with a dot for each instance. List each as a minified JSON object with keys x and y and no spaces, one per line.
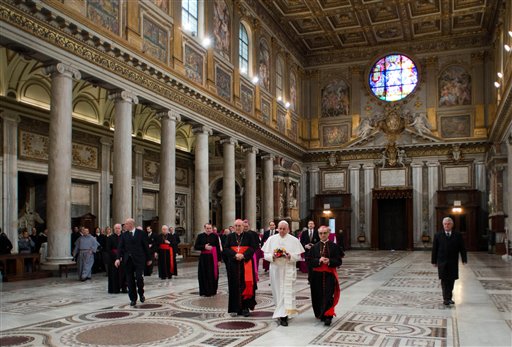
{"x":249,"y":279}
{"x":213,"y":252}
{"x":334,"y":272}
{"x":166,"y":247}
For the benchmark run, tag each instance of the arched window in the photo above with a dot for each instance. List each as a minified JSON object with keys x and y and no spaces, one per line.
{"x":189,"y":16}
{"x":279,"y":77}
{"x":393,"y":77}
{"x":243,"y":51}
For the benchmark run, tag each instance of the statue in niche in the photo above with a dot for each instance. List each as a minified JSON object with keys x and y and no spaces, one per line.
{"x":28,"y":218}
{"x":292,"y":202}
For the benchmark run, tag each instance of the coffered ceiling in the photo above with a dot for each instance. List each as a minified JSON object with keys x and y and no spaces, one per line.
{"x":325,"y":28}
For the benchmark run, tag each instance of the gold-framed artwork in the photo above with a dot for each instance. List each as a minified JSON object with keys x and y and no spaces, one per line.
{"x":223,"y":82}
{"x":456,"y":125}
{"x":333,"y":135}
{"x":194,"y":62}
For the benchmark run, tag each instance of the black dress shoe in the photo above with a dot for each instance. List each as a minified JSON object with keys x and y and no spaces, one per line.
{"x":451,"y":302}
{"x":328,"y":321}
{"x":446,"y":303}
{"x":245,"y":313}
{"x":284,"y":321}
{"x":132,"y":303}
{"x":142,"y":298}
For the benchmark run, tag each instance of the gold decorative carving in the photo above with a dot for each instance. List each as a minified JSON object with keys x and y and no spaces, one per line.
{"x":85,"y":156}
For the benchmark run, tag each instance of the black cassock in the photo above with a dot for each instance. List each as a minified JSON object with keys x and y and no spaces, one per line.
{"x":166,"y":261}
{"x":153,"y":248}
{"x":323,"y":284}
{"x":237,"y":279}
{"x":116,"y":276}
{"x":208,"y":268}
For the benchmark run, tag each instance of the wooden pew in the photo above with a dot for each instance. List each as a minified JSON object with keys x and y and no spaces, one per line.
{"x":13,"y":266}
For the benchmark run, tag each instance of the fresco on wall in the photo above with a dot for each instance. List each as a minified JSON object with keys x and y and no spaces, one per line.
{"x":335,"y":99}
{"x":281,"y":121}
{"x":266,"y":111}
{"x":194,"y":63}
{"x":455,"y":126}
{"x":334,"y":135}
{"x":223,"y":83}
{"x":454,"y":87}
{"x":104,"y":13}
{"x":293,"y":130}
{"x":293,"y":91}
{"x":221,"y":25}
{"x":162,"y":4}
{"x":264,"y":65}
{"x":246,"y":97}
{"x":155,"y":40}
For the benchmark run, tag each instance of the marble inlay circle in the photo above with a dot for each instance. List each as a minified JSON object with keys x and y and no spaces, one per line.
{"x":15,"y":340}
{"x":127,"y":334}
{"x":391,"y":329}
{"x":235,"y":325}
{"x":112,"y":315}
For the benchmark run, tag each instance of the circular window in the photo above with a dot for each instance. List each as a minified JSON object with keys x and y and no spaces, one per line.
{"x":393,"y":77}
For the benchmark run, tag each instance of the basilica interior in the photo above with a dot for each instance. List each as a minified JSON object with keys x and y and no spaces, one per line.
{"x":375,"y":117}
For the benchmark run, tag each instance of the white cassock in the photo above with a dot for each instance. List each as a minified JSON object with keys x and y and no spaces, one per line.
{"x":283,"y":273}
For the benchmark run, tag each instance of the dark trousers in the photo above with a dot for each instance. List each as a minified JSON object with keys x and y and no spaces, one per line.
{"x":134,"y":273}
{"x":447,"y":286}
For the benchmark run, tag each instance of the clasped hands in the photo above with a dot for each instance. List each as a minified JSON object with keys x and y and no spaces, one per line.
{"x":324,"y":260}
{"x":208,"y":247}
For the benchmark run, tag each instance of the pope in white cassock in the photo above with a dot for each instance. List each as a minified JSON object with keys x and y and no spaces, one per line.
{"x":283,"y":251}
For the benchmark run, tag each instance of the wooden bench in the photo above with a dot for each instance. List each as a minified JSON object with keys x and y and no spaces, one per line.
{"x":66,"y":267}
{"x":13,"y":266}
{"x":184,"y":249}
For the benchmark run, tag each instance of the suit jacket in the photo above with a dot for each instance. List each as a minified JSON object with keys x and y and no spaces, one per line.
{"x":152,"y":242}
{"x":445,"y":254}
{"x":266,"y":235}
{"x":134,"y":247}
{"x":304,"y":239}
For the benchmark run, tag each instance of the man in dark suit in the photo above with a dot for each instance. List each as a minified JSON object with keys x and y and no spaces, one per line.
{"x":153,"y":248}
{"x":308,"y":238}
{"x":445,"y":256}
{"x":266,"y":234}
{"x":135,"y":255}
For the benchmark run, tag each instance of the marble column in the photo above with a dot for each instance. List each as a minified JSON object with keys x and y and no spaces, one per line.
{"x":58,"y":217}
{"x":303,"y":194}
{"x":250,"y":185}
{"x":481,"y":183}
{"x":417,"y":202}
{"x":314,"y":186}
{"x":138,"y":190}
{"x":106,"y":145}
{"x":433,"y":186}
{"x":201,"y":192}
{"x":122,"y":175}
{"x":228,"y":182}
{"x":167,"y":193}
{"x":354,"y":190}
{"x":369,"y":182}
{"x":10,"y":178}
{"x":268,"y":189}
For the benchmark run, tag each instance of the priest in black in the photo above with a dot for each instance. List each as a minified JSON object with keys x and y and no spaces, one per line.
{"x":166,"y":256}
{"x":325,"y":257}
{"x":208,"y":269}
{"x":153,"y":249}
{"x":239,"y":251}
{"x":116,"y":275}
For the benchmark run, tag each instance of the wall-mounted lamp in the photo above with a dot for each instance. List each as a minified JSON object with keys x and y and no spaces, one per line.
{"x":457,"y":206}
{"x":497,"y":84}
{"x":287,"y":104}
{"x":327,"y":209}
{"x":255,"y":79}
{"x":507,"y":48}
{"x":279,"y":98}
{"x":207,"y":42}
{"x":500,"y":75}
{"x":510,"y":33}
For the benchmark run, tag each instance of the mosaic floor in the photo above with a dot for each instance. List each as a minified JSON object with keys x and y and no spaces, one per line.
{"x":388,"y":299}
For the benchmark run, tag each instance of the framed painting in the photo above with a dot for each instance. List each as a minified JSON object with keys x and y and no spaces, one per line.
{"x":247,"y":98}
{"x":155,"y":40}
{"x":335,"y":99}
{"x":455,"y":126}
{"x":266,"y":110}
{"x":223,"y":83}
{"x":221,"y":29}
{"x":454,"y":87}
{"x":335,"y":135}
{"x":105,"y":14}
{"x":194,"y":64}
{"x":281,"y":121}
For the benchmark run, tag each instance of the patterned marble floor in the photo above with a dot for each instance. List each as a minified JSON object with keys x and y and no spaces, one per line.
{"x":388,"y":299}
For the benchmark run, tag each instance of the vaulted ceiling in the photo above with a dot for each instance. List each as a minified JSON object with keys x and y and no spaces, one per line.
{"x":327,"y":31}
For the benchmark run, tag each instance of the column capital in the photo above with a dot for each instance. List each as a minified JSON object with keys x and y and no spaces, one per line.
{"x":123,"y":95}
{"x":314,"y":170}
{"x":249,"y":149}
{"x":228,"y":140}
{"x":138,"y":149}
{"x":106,"y":141}
{"x":268,"y":157}
{"x":433,"y":164}
{"x":10,"y":117}
{"x":169,"y":114}
{"x":416,"y":165}
{"x":202,"y":129}
{"x":62,"y":68}
{"x":368,"y":166}
{"x":354,"y":167}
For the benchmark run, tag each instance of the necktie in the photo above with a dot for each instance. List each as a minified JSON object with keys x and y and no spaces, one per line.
{"x":448,"y":234}
{"x":311,"y":234}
